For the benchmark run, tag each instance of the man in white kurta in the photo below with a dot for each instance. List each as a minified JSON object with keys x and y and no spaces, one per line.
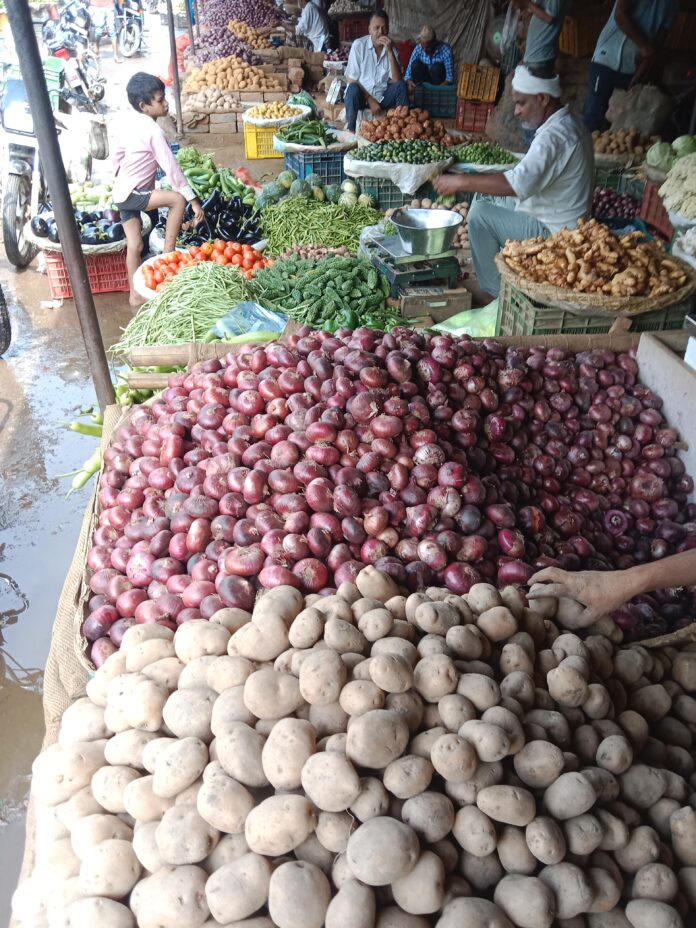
{"x":552,"y":184}
{"x":374,"y":74}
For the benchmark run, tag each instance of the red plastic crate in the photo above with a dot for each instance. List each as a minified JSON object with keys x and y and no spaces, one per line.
{"x":353,"y":27}
{"x":106,"y":273}
{"x":653,"y":212}
{"x":472,"y":116}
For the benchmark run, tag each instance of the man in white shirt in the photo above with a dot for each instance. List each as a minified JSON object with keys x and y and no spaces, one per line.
{"x":314,"y":25}
{"x":374,"y":74}
{"x":553,"y":183}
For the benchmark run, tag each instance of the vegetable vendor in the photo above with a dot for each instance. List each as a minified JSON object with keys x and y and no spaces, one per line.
{"x":431,"y":61}
{"x":625,"y":52}
{"x":313,"y":24}
{"x":553,"y":183}
{"x":543,"y":33}
{"x":141,"y":148}
{"x":374,"y":74}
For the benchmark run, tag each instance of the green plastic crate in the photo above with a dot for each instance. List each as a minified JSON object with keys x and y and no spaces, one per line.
{"x":518,"y":314}
{"x":326,"y":165}
{"x":439,"y":100}
{"x":386,"y":194}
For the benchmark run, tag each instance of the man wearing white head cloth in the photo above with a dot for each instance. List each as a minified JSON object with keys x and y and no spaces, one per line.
{"x":552,"y":185}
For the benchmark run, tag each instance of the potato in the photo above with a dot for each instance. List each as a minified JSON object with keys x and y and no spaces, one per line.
{"x":481,"y":690}
{"x":421,"y":891}
{"x":583,"y":834}
{"x":173,"y":896}
{"x":333,"y":830}
{"x":239,"y":751}
{"x":642,"y":786}
{"x":510,"y":723}
{"x":78,"y":806}
{"x":272,"y":695}
{"x":360,"y":696}
{"x":228,"y":848}
{"x":199,"y":637}
{"x":82,"y":721}
{"x":408,"y":776}
{"x":108,"y":785}
{"x":508,"y":804}
{"x":435,"y":676}
{"x":59,"y":772}
{"x":224,"y":803}
{"x":126,"y":748}
{"x":571,"y":888}
{"x":313,"y":852}
{"x":453,"y":757}
{"x":497,"y":623}
{"x":431,"y":815}
{"x":614,"y":831}
{"x":239,"y":888}
{"x":136,"y":634}
{"x":526,"y":900}
{"x":165,"y":672}
{"x":474,"y":831}
{"x":330,"y":781}
{"x":474,"y":913}
{"x":465,"y":642}
{"x":298,"y":895}
{"x":652,"y":702}
{"x":145,"y":846}
{"x":570,"y":795}
{"x":454,"y":710}
{"x":683,"y":833}
{"x":184,"y":837}
{"x":188,"y":713}
{"x":283,"y":601}
{"x":435,"y":618}
{"x":375,"y":584}
{"x":373,"y":800}
{"x":142,"y":803}
{"x":655,"y":881}
{"x":392,"y":673}
{"x":514,"y":852}
{"x":96,"y":910}
{"x":228,"y":708}
{"x":288,"y":746}
{"x":482,"y":597}
{"x":322,"y":676}
{"x":111,"y":869}
{"x":381,"y":850}
{"x":376,"y":738}
{"x":490,"y":741}
{"x":328,"y":720}
{"x":684,"y":670}
{"x":278,"y":824}
{"x":407,"y":705}
{"x":353,"y":906}
{"x":650,"y":913}
{"x":307,"y":628}
{"x":262,"y":639}
{"x":177,"y":765}
{"x":375,"y":623}
{"x":230,"y":618}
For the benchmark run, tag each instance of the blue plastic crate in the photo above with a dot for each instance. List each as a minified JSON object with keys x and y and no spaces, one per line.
{"x":440,"y":100}
{"x":175,"y":148}
{"x":326,"y":165}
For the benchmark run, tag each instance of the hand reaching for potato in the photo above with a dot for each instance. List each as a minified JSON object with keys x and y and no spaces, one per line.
{"x":600,"y":592}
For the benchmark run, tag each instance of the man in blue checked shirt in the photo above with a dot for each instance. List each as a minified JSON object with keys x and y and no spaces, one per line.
{"x":431,"y":61}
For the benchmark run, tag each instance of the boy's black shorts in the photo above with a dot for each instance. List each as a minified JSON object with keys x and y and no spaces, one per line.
{"x":134,"y":205}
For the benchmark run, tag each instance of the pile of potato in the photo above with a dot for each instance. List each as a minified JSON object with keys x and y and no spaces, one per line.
{"x":212,"y":100}
{"x":403,"y":123}
{"x":274,"y":110}
{"x":622,"y":142}
{"x":230,"y":73}
{"x":244,"y":31}
{"x":372,"y":760}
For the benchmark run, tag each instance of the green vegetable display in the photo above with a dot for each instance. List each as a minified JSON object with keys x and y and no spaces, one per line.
{"x":185,"y":309}
{"x":482,"y":153}
{"x":410,"y":151}
{"x":299,"y":221}
{"x":331,"y":293}
{"x":204,"y":177}
{"x":307,"y":132}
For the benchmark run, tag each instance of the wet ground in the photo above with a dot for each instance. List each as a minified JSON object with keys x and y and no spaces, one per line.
{"x":44,"y":378}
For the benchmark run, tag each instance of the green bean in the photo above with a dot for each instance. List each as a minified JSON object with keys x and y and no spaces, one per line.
{"x":299,"y":221}
{"x":186,"y":308}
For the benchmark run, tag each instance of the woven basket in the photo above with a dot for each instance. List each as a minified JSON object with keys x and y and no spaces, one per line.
{"x":597,"y":303}
{"x":110,"y":248}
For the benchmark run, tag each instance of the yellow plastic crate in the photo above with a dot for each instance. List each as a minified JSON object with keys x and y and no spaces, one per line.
{"x":258,"y":141}
{"x":581,"y":30}
{"x":477,"y":83}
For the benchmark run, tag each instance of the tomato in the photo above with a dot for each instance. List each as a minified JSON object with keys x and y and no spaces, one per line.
{"x":219,"y":246}
{"x":237,"y":260}
{"x":247,"y":263}
{"x":158,"y":275}
{"x":236,"y":247}
{"x":207,"y":249}
{"x":259,"y":265}
{"x":248,"y":274}
{"x":192,"y":251}
{"x":228,"y":253}
{"x":159,"y":287}
{"x":221,"y":259}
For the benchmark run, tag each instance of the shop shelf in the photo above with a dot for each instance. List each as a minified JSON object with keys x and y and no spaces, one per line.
{"x":106,"y":274}
{"x":327,"y":165}
{"x":518,"y":314}
{"x":258,"y":141}
{"x":478,"y":83}
{"x":440,"y":100}
{"x":472,"y":116}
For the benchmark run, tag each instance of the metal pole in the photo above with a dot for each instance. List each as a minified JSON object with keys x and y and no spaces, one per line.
{"x":198,"y":18}
{"x":52,"y":160}
{"x":189,"y":25}
{"x":175,"y":71}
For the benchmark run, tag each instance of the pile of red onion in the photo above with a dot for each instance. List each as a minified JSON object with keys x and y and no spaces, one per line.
{"x":608,"y":204}
{"x":439,"y":461}
{"x":256,"y":13}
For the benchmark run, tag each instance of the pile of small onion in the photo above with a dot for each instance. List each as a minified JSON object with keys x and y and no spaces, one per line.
{"x":440,"y":461}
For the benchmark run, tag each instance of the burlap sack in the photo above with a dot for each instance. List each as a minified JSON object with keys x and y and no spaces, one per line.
{"x":67,"y":668}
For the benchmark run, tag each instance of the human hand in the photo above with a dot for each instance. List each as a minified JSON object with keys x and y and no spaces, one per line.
{"x":375,"y":108}
{"x":411,"y":86}
{"x":447,"y":184}
{"x":600,"y":592}
{"x":386,"y":42}
{"x":198,"y":214}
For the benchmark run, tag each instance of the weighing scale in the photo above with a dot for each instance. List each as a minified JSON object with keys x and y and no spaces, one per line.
{"x":403,"y":269}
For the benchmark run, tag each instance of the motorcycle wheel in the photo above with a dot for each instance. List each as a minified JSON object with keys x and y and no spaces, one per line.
{"x":129,"y":39}
{"x":5,"y":326}
{"x":15,"y":214}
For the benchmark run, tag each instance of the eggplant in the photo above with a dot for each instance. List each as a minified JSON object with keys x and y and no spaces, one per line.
{"x":212,"y":201}
{"x":90,"y":235}
{"x":115,"y":233}
{"x":80,"y":216}
{"x":39,"y":227}
{"x":52,"y":231}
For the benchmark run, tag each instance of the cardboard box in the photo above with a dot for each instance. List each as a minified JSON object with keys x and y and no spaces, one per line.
{"x":294,"y":62}
{"x":438,"y":302}
{"x":296,"y":75}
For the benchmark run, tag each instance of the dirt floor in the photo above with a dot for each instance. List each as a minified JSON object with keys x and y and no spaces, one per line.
{"x":45,"y":378}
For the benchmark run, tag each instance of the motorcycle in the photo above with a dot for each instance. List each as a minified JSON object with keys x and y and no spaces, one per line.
{"x":5,"y":325}
{"x":68,"y":39}
{"x":131,"y":23}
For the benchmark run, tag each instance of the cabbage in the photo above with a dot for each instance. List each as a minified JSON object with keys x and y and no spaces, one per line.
{"x":660,"y":156}
{"x":684,"y":145}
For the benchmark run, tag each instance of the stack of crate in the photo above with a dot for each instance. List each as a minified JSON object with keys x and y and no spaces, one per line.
{"x":476,"y":94}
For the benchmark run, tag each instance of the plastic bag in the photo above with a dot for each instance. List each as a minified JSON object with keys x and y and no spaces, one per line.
{"x":248,"y":317}
{"x":643,"y":107}
{"x":479,"y":323}
{"x":407,"y":177}
{"x":510,"y":29}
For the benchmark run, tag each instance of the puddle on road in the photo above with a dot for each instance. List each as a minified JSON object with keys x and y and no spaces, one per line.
{"x":44,"y":378}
